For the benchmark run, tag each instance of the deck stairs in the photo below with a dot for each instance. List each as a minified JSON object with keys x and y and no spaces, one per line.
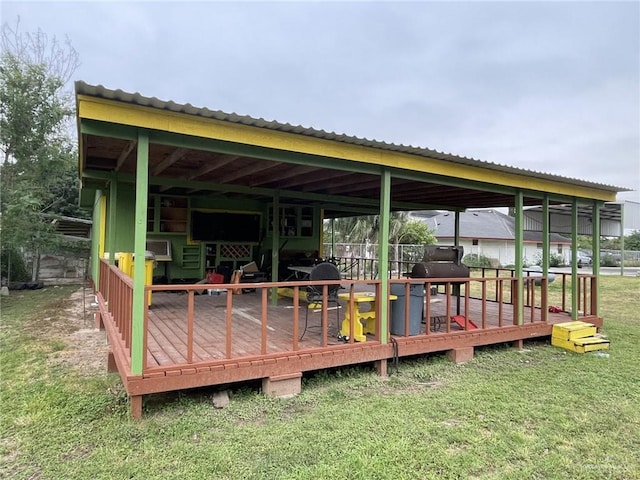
{"x":579,"y":337}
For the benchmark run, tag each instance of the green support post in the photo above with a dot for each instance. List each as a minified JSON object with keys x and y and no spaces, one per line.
{"x":622,"y":239}
{"x":95,"y":240}
{"x":595,"y":251}
{"x":140,"y":229}
{"x":519,"y":252}
{"x":383,"y":252}
{"x":546,"y":243}
{"x":574,"y":259}
{"x":111,"y":225}
{"x":275,"y":246}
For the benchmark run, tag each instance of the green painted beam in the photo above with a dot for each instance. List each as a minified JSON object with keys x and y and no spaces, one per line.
{"x":253,"y":191}
{"x":109,"y":130}
{"x":595,"y":250}
{"x":546,"y":229}
{"x":383,"y":253}
{"x":622,"y":239}
{"x":95,"y":240}
{"x":111,"y":225}
{"x":275,"y":246}
{"x":574,"y":259}
{"x":519,"y":253}
{"x":140,"y":242}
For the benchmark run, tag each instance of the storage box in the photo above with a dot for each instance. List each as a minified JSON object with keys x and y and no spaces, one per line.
{"x":250,"y":268}
{"x":573,"y":330}
{"x":582,"y":345}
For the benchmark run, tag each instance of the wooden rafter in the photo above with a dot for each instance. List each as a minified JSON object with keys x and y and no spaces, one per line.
{"x":319,"y":176}
{"x":245,"y":172}
{"x":208,"y":168}
{"x":211,"y":166}
{"x":170,"y":159}
{"x":285,"y":174}
{"x":125,"y":153}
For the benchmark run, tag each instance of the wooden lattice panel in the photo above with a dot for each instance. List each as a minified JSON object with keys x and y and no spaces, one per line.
{"x":235,"y":251}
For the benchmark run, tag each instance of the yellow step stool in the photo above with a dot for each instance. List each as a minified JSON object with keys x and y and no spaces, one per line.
{"x":579,"y":337}
{"x":573,"y":330}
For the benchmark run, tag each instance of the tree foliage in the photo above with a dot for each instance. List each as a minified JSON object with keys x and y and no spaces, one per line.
{"x":38,"y":171}
{"x":365,"y":229}
{"x":632,"y":241}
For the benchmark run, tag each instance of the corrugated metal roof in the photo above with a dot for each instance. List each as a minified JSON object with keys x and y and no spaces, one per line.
{"x":100,"y":91}
{"x":485,"y":224}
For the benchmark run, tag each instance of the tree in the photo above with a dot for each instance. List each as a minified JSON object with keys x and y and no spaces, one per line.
{"x":632,"y":241}
{"x":365,"y":229}
{"x":37,"y":172}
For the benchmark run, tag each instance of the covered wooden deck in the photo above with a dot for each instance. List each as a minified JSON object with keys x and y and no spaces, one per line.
{"x":193,"y":340}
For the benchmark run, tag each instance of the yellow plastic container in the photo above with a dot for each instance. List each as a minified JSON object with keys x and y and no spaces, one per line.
{"x":126,"y":263}
{"x":148,"y":276}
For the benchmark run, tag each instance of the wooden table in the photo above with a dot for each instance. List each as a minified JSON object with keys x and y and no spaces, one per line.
{"x":365,"y":320}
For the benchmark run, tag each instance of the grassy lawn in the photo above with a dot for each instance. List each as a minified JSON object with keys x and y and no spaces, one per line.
{"x":540,"y":413}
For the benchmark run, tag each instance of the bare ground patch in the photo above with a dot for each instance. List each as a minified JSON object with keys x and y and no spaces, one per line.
{"x":85,"y":347}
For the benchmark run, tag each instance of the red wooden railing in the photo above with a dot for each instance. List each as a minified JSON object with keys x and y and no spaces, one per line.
{"x":116,"y":290}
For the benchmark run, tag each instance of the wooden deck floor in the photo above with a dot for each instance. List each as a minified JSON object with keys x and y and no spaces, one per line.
{"x":168,"y":332}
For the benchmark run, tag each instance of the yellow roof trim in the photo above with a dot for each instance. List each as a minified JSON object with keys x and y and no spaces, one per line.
{"x":152,"y":118}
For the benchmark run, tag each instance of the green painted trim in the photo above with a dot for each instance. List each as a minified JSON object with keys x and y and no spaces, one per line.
{"x":574,"y":259}
{"x":266,"y":192}
{"x":546,"y":241}
{"x":519,"y":260}
{"x":139,"y":297}
{"x":275,"y":246}
{"x":383,"y":252}
{"x":105,"y":129}
{"x":595,"y":250}
{"x":111,"y":226}
{"x":622,"y":240}
{"x":95,"y":241}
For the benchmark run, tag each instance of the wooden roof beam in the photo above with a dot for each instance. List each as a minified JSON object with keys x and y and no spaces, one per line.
{"x":210,"y":167}
{"x":125,"y":153}
{"x":245,"y":172}
{"x":292,"y":172}
{"x":169,"y":160}
{"x":320,"y":176}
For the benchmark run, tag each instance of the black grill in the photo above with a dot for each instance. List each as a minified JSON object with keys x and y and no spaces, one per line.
{"x":442,"y":262}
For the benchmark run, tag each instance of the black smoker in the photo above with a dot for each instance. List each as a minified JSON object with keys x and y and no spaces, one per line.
{"x":442,"y":262}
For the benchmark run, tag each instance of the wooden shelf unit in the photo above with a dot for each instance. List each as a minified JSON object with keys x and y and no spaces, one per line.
{"x":295,"y":221}
{"x":167,"y":214}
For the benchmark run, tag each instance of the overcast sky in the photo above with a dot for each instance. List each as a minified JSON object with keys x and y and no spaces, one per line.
{"x":547,"y":86}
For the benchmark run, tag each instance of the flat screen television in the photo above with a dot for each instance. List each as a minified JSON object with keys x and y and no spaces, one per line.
{"x":225,"y":226}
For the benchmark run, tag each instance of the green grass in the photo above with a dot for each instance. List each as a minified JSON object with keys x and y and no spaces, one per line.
{"x":539,"y":413}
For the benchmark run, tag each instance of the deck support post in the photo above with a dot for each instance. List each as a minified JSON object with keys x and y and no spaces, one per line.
{"x":518,"y":344}
{"x":383,"y":255}
{"x":97,"y":321}
{"x":283,"y":386}
{"x":135,"y":406}
{"x":381,"y":367}
{"x":112,"y":366}
{"x":574,"y":260}
{"x":140,"y":245}
{"x":460,"y":355}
